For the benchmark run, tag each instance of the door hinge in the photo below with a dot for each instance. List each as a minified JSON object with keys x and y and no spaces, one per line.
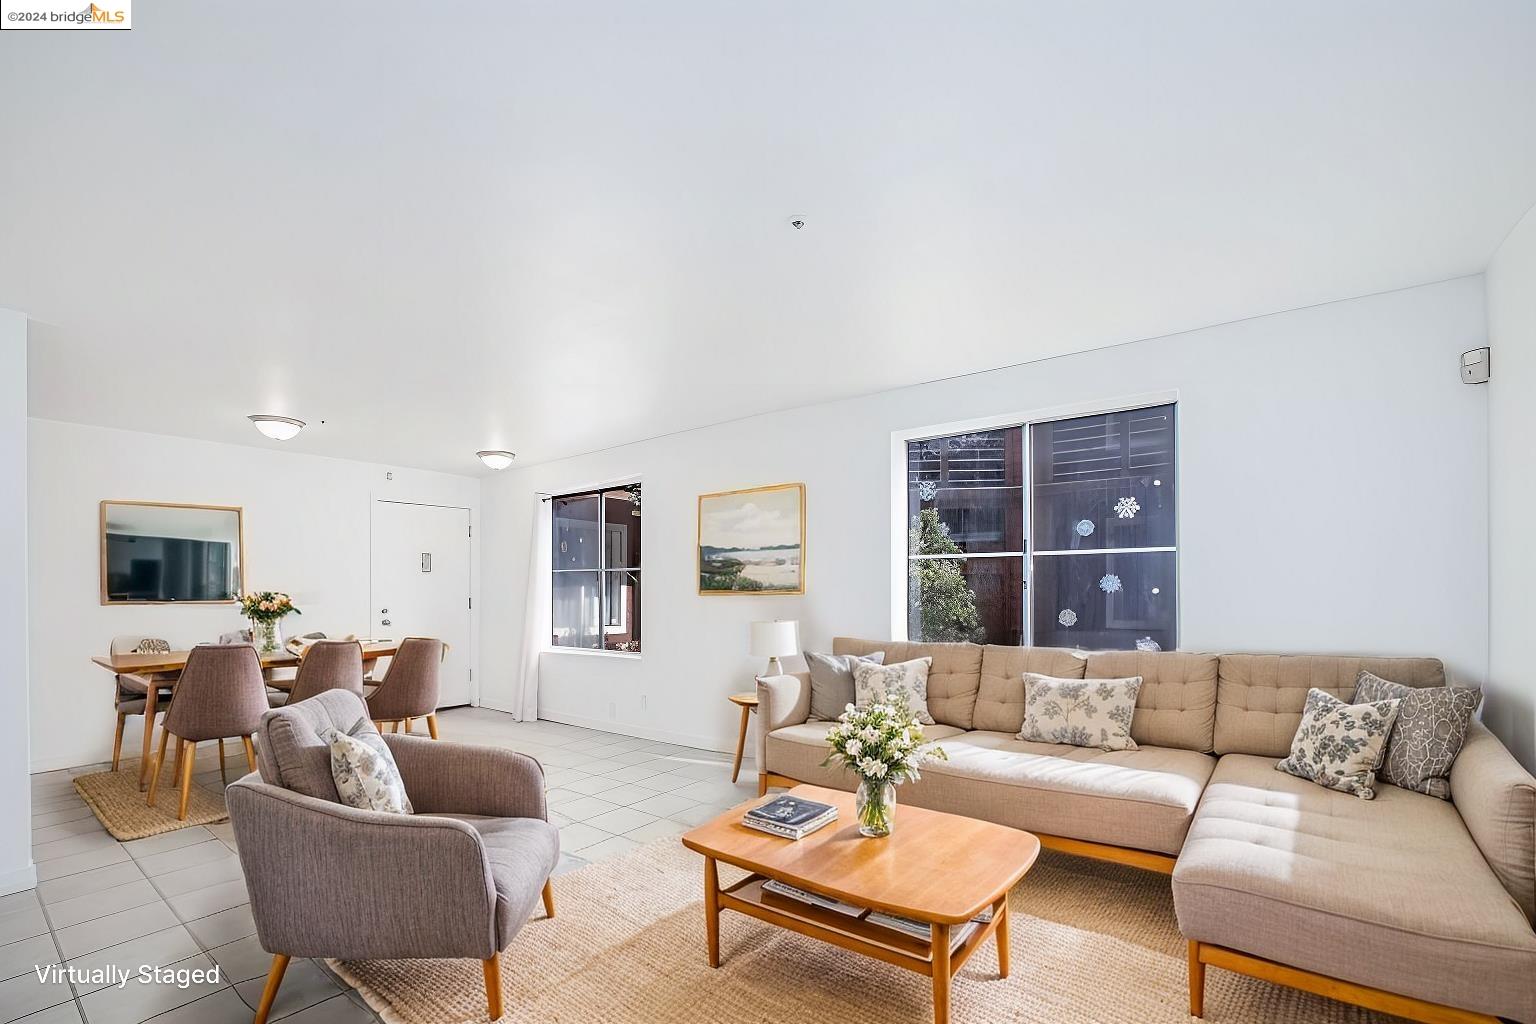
{"x":471,"y":529}
{"x":471,"y":602}
{"x":471,"y":675}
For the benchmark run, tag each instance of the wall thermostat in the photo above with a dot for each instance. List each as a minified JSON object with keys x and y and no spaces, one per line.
{"x":1474,"y":366}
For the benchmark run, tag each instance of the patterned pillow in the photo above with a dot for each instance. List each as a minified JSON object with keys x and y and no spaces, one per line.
{"x":832,"y":682}
{"x":1340,"y":745}
{"x":1431,"y":726}
{"x":1080,"y":712}
{"x":907,"y":680}
{"x":365,"y":773}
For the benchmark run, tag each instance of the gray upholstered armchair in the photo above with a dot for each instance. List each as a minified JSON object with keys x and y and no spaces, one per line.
{"x":458,"y":878}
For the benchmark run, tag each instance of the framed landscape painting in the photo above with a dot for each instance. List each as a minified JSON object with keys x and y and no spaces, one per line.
{"x":753,"y":541}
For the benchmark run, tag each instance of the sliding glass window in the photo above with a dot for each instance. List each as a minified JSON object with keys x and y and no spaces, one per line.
{"x":595,"y":589}
{"x":1079,"y":552}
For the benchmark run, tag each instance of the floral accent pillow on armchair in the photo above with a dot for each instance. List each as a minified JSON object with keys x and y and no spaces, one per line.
{"x":1340,"y":745}
{"x":1080,"y":712}
{"x":366,"y":774}
{"x":905,"y":680}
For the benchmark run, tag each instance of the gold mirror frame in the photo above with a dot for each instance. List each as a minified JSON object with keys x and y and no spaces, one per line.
{"x":238,"y":510}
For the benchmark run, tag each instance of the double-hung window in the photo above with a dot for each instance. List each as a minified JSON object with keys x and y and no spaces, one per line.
{"x":595,"y":590}
{"x":1058,"y":533}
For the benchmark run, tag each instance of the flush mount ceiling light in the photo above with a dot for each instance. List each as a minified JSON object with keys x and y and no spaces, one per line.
{"x":497,"y":459}
{"x":278,"y":428}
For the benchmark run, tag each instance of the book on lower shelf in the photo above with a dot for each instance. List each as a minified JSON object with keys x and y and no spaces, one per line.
{"x":924,"y":931}
{"x":814,"y":899}
{"x":790,"y":817}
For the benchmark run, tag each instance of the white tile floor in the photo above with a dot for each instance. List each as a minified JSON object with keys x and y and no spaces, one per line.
{"x":178,"y":899}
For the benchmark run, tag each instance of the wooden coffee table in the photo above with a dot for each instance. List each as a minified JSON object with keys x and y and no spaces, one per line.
{"x":940,"y":869}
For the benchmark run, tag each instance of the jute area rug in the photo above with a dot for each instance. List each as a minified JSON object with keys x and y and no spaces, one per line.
{"x":115,"y":799}
{"x":1092,"y":942}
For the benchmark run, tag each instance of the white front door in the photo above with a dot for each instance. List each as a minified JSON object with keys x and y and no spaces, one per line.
{"x":421,"y":584}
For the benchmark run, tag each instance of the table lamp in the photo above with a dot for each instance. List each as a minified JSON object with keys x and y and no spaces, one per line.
{"x":772,"y":639}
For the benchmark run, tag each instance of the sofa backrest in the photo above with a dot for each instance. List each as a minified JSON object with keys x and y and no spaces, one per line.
{"x":1176,"y":706}
{"x":953,"y":679}
{"x":1213,"y":703}
{"x":1000,"y":700}
{"x":1259,"y":696}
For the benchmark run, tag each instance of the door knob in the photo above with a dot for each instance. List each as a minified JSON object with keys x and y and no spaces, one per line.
{"x":383,"y":622}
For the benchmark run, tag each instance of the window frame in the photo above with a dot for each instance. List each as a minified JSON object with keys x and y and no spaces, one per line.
{"x":900,"y":514}
{"x":603,"y":571}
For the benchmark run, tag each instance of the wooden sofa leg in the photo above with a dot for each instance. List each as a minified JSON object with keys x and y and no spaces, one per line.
{"x":1196,"y":981}
{"x":762,"y":783}
{"x":269,"y":994}
{"x":549,"y":897}
{"x":492,"y":987}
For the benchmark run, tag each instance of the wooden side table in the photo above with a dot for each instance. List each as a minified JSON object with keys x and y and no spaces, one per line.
{"x":748,"y":704}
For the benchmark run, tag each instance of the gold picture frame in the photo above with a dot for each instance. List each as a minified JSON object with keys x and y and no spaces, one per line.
{"x":748,"y":546}
{"x":240,"y":567}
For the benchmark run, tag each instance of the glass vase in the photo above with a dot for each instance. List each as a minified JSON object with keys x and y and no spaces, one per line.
{"x":875,"y":802}
{"x":267,"y":636}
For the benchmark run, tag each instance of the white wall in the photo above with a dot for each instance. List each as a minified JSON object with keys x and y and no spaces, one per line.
{"x":306,"y":532}
{"x":16,"y":870}
{"x":1511,"y":702}
{"x":1333,"y":480}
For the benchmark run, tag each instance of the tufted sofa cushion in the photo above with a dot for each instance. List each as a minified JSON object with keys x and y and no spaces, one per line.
{"x":1176,"y":706}
{"x":1000,"y":701}
{"x":1259,"y":696}
{"x":953,"y":679}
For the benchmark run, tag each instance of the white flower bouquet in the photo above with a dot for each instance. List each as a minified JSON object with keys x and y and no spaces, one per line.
{"x":881,"y":743}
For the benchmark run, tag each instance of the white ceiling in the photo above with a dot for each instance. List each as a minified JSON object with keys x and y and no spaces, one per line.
{"x":559,"y":227}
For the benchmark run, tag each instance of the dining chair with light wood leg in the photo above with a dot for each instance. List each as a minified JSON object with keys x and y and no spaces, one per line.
{"x":220,"y":695}
{"x":409,"y":690}
{"x":132,"y":695}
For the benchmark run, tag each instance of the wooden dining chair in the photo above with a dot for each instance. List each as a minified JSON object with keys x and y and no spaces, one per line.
{"x":220,"y":695}
{"x":325,"y":665}
{"x":131,"y":695}
{"x":409,"y":690}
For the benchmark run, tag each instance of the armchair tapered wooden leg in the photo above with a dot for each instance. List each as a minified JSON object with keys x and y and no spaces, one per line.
{"x":269,"y":994}
{"x":1196,"y":981}
{"x":432,"y":725}
{"x":223,"y":773}
{"x":549,"y":897}
{"x":157,"y":765}
{"x":117,"y":740}
{"x":493,"y":987}
{"x":188,"y":758}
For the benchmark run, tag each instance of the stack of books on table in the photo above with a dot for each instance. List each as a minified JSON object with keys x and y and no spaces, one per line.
{"x":790,"y":817}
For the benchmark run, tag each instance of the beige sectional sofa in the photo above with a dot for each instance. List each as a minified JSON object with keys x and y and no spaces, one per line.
{"x":1406,"y":903}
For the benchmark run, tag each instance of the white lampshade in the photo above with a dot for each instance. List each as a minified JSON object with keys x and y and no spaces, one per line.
{"x":278,"y":428}
{"x":773,"y":639}
{"x":497,"y":459}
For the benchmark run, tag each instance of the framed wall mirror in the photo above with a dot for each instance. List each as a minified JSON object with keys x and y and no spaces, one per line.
{"x":155,"y":553}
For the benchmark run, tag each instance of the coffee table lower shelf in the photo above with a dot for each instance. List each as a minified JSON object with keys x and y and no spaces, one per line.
{"x":936,"y":957}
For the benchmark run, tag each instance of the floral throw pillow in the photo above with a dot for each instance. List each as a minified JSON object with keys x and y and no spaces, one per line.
{"x":1340,"y":745}
{"x":905,"y":680}
{"x":365,"y":773}
{"x":1431,"y":726}
{"x":1080,"y":712}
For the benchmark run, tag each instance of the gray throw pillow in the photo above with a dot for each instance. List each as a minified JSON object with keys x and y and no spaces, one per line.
{"x":832,"y":682}
{"x":1431,"y":726}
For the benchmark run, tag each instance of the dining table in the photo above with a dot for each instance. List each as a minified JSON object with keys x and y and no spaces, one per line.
{"x":160,"y":671}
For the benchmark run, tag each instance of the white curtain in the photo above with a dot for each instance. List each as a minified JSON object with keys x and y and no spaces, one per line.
{"x":536,"y":625}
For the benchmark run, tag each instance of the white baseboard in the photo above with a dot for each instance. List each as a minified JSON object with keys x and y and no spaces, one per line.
{"x":18,"y":880}
{"x":640,"y":732}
